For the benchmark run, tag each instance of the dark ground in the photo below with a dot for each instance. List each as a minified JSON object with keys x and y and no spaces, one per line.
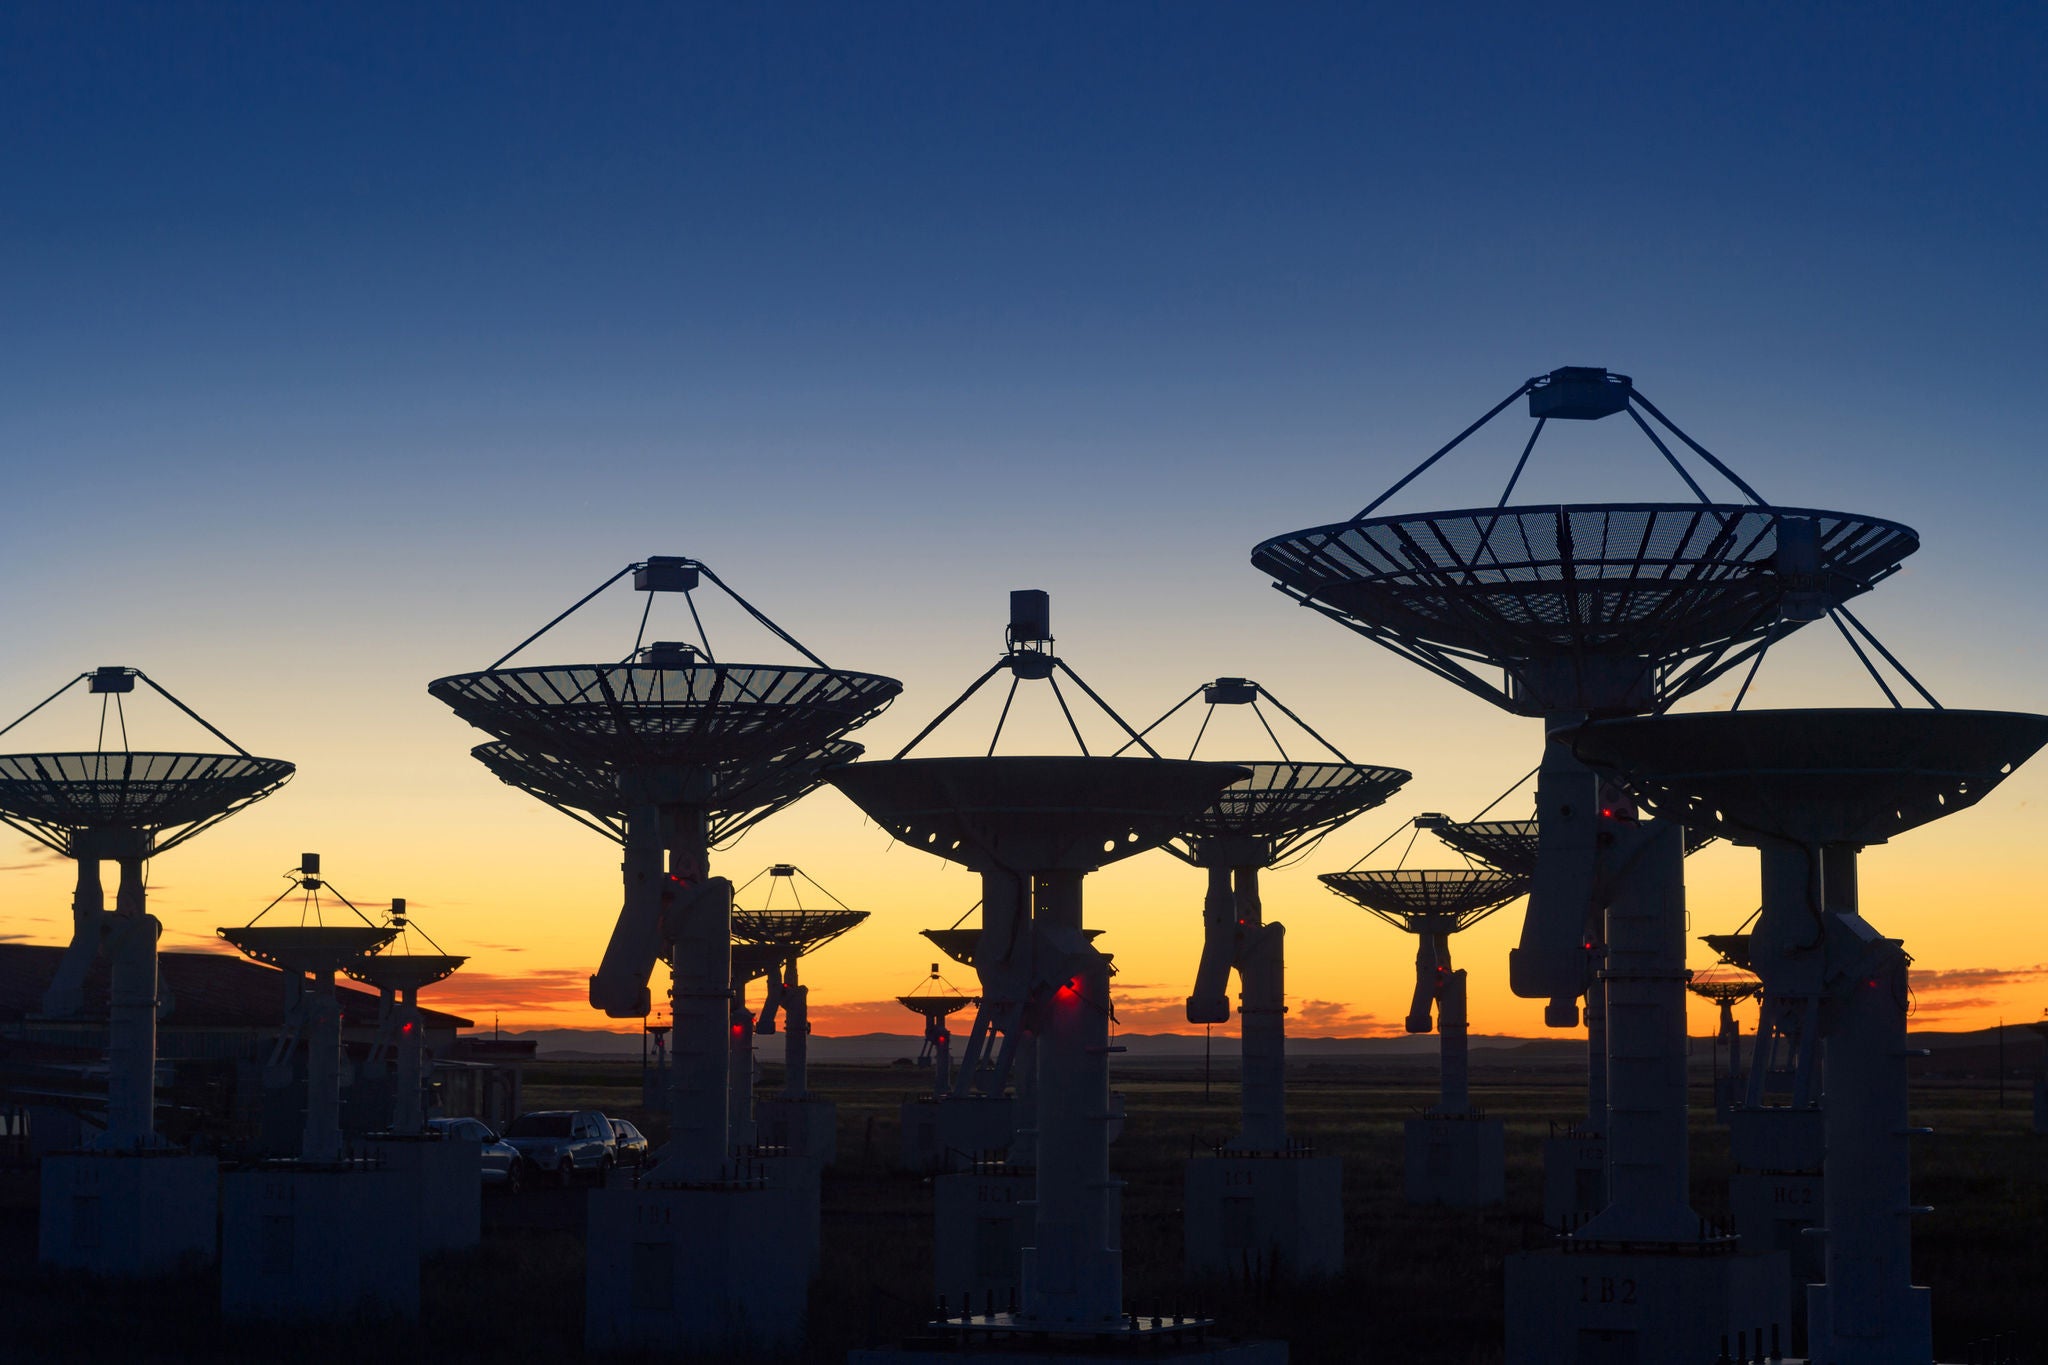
{"x":1420,"y":1284}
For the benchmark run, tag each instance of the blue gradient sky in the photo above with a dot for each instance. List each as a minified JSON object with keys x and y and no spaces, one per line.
{"x":344,"y":346}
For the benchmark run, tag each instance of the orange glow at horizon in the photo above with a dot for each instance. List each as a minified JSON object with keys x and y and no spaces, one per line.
{"x":387,"y":792}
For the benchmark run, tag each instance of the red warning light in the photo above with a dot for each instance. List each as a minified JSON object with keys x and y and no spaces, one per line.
{"x":739,"y":1030}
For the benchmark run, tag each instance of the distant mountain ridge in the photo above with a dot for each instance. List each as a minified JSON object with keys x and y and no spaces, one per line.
{"x":571,"y":1044}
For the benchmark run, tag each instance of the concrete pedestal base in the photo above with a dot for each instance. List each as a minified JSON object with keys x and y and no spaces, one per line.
{"x":694,"y":1270}
{"x":53,"y":1131}
{"x":1592,"y":1307}
{"x":952,"y":1134}
{"x":128,"y":1216}
{"x":302,"y":1243}
{"x":1260,"y":1217}
{"x":992,"y":1340}
{"x":801,"y":1179}
{"x":1458,"y":1162}
{"x":1771,"y":1211}
{"x":1574,"y":1179}
{"x":981,"y":1223}
{"x":1777,"y":1138}
{"x":807,"y":1128}
{"x":446,"y":1176}
{"x":1901,"y":1332}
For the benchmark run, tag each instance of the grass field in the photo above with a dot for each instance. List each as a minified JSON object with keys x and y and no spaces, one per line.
{"x":1420,"y":1284}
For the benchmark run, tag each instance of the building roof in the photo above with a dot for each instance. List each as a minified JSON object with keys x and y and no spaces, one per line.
{"x":206,"y":990}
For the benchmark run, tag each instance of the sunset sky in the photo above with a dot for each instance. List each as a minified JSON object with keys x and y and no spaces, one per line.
{"x":345,"y":347}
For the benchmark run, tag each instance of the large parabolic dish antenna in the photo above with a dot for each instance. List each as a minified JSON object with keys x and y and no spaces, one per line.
{"x":61,"y":799}
{"x":740,"y":797}
{"x":790,"y":931}
{"x":793,"y":930}
{"x":1570,"y":610}
{"x":962,"y":944}
{"x":126,"y":806}
{"x":1434,"y":904}
{"x":1509,"y":845}
{"x":1032,"y":814}
{"x":1810,"y":787}
{"x":53,"y":798}
{"x":691,"y":712}
{"x":1611,"y":608}
{"x":669,"y":751}
{"x":1850,"y":776}
{"x":1033,"y":826}
{"x":1281,"y":807}
{"x":313,"y":947}
{"x":398,"y":973}
{"x":1599,"y":606}
{"x":1443,"y":900}
{"x":1282,"y":802}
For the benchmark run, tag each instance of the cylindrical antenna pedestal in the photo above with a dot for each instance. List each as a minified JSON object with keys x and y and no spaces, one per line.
{"x":1453,"y":1043}
{"x":1073,"y":1271}
{"x":1644,"y":983}
{"x":700,"y":917}
{"x":321,"y":1139}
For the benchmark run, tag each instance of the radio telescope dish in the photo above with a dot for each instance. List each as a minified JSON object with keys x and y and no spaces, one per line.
{"x":307,"y":948}
{"x":960,"y":944}
{"x":400,"y":972}
{"x":794,"y":929}
{"x":1509,"y":845}
{"x":695,"y":714}
{"x":1033,"y":827}
{"x":1282,"y":803}
{"x":125,"y":806}
{"x":740,"y":797}
{"x":394,"y":969}
{"x":1416,"y":900}
{"x":1032,"y":814}
{"x":53,"y":797}
{"x":62,"y":800}
{"x":936,"y":1005}
{"x":1732,"y":948}
{"x":312,"y":946}
{"x":1815,"y":776}
{"x":1643,"y":599}
{"x":1724,"y":985}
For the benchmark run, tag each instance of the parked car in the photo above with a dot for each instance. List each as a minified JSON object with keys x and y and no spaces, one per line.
{"x":562,"y":1143}
{"x":501,"y":1162}
{"x":629,"y":1142}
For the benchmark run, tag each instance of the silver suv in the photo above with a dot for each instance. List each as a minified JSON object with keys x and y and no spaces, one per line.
{"x":564,"y":1142}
